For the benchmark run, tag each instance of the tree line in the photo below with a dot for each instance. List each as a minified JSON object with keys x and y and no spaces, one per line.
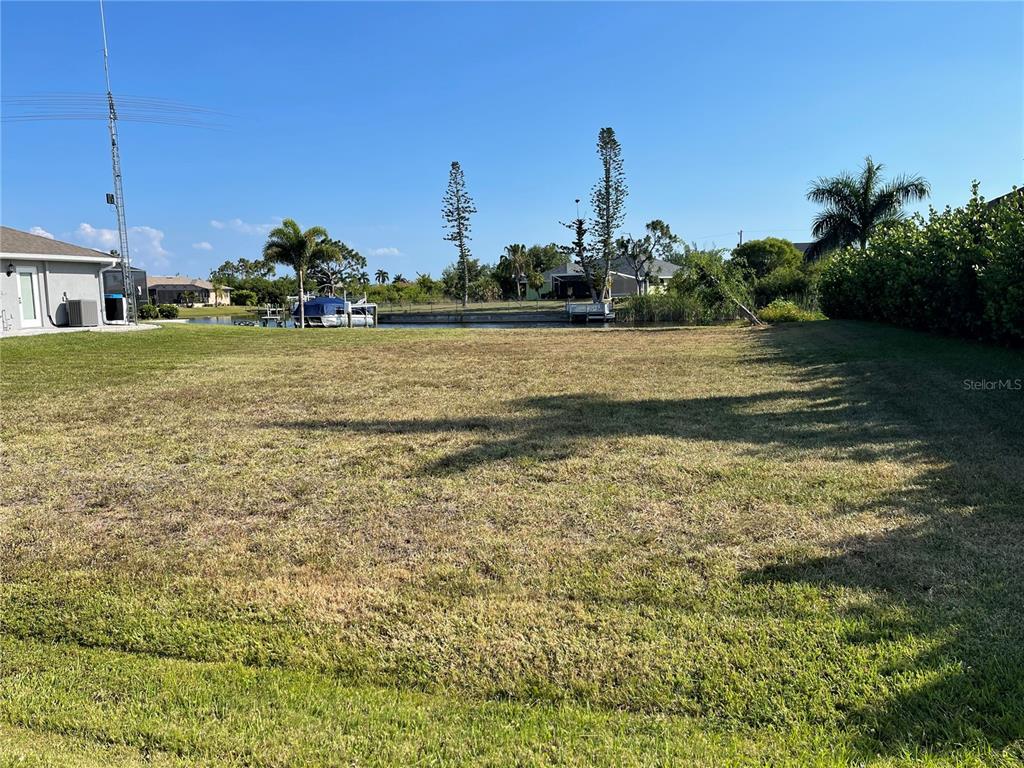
{"x":861,"y":215}
{"x":596,"y":246}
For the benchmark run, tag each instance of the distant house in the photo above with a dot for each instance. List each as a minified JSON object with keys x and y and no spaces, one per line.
{"x":803,"y":247}
{"x":46,"y":283}
{"x":180,"y":289}
{"x":567,"y":281}
{"x":1001,"y":198}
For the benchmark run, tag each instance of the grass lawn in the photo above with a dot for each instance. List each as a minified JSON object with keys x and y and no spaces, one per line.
{"x":721,"y":546}
{"x":221,"y":311}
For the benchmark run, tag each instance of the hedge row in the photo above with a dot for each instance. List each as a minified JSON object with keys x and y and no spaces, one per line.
{"x":959,"y":271}
{"x":149,"y":311}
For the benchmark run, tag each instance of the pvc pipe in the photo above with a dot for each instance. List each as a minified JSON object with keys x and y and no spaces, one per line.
{"x":46,"y":293}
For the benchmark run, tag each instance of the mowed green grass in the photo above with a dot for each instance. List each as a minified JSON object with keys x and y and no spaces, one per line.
{"x":219,"y":311}
{"x":720,"y":546}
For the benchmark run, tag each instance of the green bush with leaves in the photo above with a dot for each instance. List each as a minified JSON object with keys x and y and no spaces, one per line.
{"x":715,"y":283}
{"x":485,"y":288}
{"x":671,"y":307}
{"x":774,"y":268}
{"x":785,"y":311}
{"x":1001,"y":281}
{"x":703,"y":290}
{"x":148,"y":311}
{"x":424,"y":290}
{"x":761,"y":257}
{"x":959,"y":271}
{"x":244,"y":298}
{"x":782,"y":283}
{"x":452,"y":276}
{"x":168,"y":311}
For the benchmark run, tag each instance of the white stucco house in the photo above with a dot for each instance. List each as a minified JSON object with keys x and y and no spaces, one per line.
{"x":46,"y":283}
{"x":567,"y":281}
{"x":180,"y":289}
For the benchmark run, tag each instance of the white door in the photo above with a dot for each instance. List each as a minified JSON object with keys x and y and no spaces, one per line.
{"x":28,"y":297}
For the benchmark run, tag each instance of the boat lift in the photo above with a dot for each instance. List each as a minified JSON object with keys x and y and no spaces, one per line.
{"x":334,"y":312}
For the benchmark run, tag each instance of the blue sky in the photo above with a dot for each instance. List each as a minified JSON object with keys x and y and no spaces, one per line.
{"x":348,"y":116}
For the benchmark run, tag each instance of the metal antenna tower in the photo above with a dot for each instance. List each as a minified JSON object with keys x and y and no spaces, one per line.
{"x":115,"y":154}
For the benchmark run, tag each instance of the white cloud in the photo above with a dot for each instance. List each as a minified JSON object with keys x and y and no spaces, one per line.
{"x":202,"y":246}
{"x":244,"y":227}
{"x":95,"y":237}
{"x":145,"y":243}
{"x":385,"y":252}
{"x":41,"y":232}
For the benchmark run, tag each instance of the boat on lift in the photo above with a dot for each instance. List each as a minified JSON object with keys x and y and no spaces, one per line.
{"x":334,"y":312}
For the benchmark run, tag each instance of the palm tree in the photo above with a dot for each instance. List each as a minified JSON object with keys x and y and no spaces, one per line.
{"x":856,"y":207}
{"x":289,"y":245}
{"x":381,"y":276}
{"x":399,"y":279}
{"x":217,"y":287}
{"x":515,"y":258}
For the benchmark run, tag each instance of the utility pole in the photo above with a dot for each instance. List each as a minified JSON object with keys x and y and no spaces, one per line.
{"x":130,"y":314}
{"x":741,"y":237}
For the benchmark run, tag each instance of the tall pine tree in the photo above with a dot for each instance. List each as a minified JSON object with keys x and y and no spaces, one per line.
{"x":608,"y":200}
{"x":456,"y":208}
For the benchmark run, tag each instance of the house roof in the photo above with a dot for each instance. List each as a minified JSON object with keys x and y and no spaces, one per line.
{"x":574,"y":270}
{"x":1001,"y":198}
{"x":663,"y":268}
{"x":14,"y":242}
{"x":179,"y":282}
{"x":571,"y":269}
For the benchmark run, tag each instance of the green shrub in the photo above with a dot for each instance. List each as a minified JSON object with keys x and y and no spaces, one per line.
{"x":453,"y":277}
{"x":761,"y":257}
{"x":673,"y":307}
{"x":485,"y":289}
{"x":423,"y":291}
{"x":715,"y":285}
{"x":148,"y":311}
{"x":168,"y":311}
{"x":960,"y":272}
{"x":244,"y":298}
{"x":781,"y":283}
{"x":784,"y":311}
{"x":1001,"y":281}
{"x":383,"y":294}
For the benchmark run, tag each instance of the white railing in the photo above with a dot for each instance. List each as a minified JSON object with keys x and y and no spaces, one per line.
{"x":590,"y":309}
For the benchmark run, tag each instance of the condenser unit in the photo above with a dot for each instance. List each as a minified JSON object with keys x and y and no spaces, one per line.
{"x":83,"y":313}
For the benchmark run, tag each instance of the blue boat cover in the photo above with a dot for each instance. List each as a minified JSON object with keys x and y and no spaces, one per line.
{"x":322,"y":305}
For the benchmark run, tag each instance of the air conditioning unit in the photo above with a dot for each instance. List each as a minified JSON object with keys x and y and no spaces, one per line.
{"x":83,"y":313}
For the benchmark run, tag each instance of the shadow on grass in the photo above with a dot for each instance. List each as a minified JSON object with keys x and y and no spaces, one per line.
{"x":950,"y":574}
{"x":953,"y":570}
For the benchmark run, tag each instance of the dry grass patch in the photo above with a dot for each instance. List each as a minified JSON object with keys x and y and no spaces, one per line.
{"x":805,"y":531}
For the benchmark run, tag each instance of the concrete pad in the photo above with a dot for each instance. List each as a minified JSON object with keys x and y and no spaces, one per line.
{"x":96,"y":329}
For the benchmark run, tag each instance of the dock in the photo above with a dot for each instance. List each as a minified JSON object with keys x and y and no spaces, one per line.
{"x":264,"y":316}
{"x":585,"y":312}
{"x":270,"y":314}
